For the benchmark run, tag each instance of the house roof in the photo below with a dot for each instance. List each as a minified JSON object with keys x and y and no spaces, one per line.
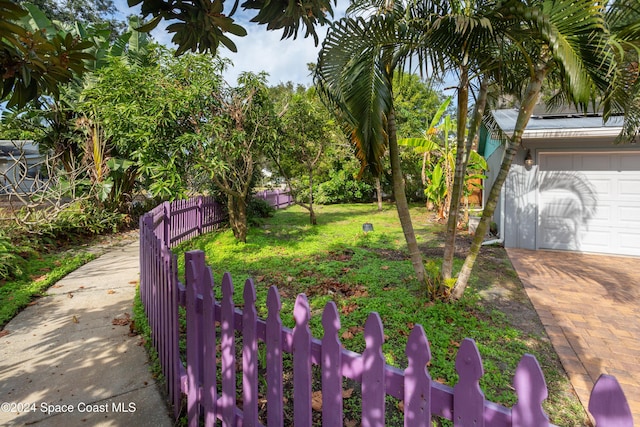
{"x":560,"y":125}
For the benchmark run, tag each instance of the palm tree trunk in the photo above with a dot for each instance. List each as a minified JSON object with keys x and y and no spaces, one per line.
{"x":526,"y":109}
{"x":459,"y":180}
{"x":401,"y":201}
{"x":454,"y":207}
{"x":379,"y":193}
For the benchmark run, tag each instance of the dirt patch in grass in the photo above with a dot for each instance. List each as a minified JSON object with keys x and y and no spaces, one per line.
{"x":391,"y":254}
{"x":498,"y":285}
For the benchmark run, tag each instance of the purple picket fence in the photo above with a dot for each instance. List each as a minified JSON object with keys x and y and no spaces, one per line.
{"x":279,"y":199}
{"x":209,"y":378}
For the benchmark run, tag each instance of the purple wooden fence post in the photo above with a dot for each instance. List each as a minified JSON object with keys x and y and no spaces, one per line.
{"x":249,"y":356}
{"x":531,"y":389}
{"x":331,"y":364}
{"x":468,"y":399}
{"x":194,"y":267}
{"x":175,"y":335}
{"x":144,"y":278}
{"x":209,"y":351}
{"x":301,"y":363}
{"x":608,"y":404}
{"x":166,"y":307}
{"x":153,"y":290}
{"x":417,"y":381}
{"x":373,"y":364}
{"x":166,"y":238}
{"x":273,"y":343}
{"x":200,"y":214}
{"x":228,"y":345}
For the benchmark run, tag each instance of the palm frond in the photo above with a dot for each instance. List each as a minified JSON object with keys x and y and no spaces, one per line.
{"x":354,"y":82}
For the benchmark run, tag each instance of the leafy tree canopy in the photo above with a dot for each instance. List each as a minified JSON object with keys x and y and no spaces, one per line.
{"x":200,"y":25}
{"x":85,"y":11}
{"x":35,"y":56}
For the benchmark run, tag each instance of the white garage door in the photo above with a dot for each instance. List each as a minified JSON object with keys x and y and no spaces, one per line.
{"x":589,"y":202}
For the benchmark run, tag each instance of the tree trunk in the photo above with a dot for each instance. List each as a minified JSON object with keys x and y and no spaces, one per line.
{"x":312,"y":214}
{"x":238,"y":217}
{"x":401,"y":201}
{"x":462,"y":160}
{"x":531,"y":98}
{"x":379,"y":193}
{"x":452,"y":222}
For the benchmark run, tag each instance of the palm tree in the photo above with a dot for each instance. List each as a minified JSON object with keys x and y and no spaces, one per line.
{"x":513,"y":44}
{"x":354,"y":76}
{"x":566,"y":40}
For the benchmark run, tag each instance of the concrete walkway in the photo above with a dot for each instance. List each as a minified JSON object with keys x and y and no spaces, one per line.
{"x":590,"y":307}
{"x":69,"y":359}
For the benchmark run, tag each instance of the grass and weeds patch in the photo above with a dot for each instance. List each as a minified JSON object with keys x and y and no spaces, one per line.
{"x":37,"y":273}
{"x":365,"y":272}
{"x":142,"y":328}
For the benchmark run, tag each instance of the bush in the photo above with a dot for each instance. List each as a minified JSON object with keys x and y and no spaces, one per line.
{"x":257,"y":209}
{"x":11,"y":263}
{"x":343,"y":188}
{"x":80,"y":219}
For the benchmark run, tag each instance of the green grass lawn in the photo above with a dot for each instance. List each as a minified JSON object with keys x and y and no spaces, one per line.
{"x":369,"y":272}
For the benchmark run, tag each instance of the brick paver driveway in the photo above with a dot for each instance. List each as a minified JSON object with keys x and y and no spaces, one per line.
{"x":590,"y":307}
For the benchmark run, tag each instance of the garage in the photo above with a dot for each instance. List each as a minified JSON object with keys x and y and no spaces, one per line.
{"x":589,"y":202}
{"x":571,"y":185}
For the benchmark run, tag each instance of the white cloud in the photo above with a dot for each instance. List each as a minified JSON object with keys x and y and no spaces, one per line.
{"x":284,"y":60}
{"x":261,"y":50}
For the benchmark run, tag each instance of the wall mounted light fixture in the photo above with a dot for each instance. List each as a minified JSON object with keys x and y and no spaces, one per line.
{"x":528,"y":160}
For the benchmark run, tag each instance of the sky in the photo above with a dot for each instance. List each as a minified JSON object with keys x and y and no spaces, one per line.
{"x":261,"y":50}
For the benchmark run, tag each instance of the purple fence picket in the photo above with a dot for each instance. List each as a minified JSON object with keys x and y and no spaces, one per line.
{"x":249,"y":356}
{"x":228,"y":348}
{"x":273,"y":342}
{"x":331,"y":362}
{"x":209,"y":386}
{"x":301,"y":363}
{"x":278,"y":199}
{"x":211,"y":328}
{"x":373,"y":390}
{"x":194,"y":284}
{"x":468,"y":399}
{"x":531,"y":389}
{"x":417,"y":381}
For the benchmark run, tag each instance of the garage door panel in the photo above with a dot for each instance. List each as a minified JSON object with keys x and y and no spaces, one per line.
{"x":629,"y":242}
{"x":601,"y":187}
{"x":628,"y":189}
{"x":592,"y":162}
{"x":595,"y":241}
{"x":560,"y":233}
{"x":598,"y":207}
{"x":629,"y":162}
{"x":553,"y":162}
{"x":629,"y":216}
{"x":601,"y":217}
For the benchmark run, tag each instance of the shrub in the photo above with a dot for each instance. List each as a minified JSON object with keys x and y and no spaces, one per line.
{"x":257,"y":209}
{"x":11,"y":263}
{"x":343,"y":188}
{"x":81,"y":219}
